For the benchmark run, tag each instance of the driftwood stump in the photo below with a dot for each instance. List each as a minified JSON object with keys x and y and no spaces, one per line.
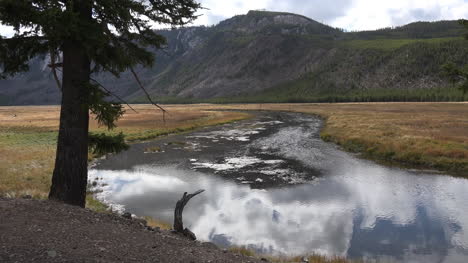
{"x":178,"y":223}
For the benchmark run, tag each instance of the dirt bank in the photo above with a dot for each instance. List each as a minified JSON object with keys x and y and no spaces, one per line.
{"x":45,"y":231}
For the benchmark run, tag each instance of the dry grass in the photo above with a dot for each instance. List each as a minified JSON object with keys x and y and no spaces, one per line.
{"x":152,"y":222}
{"x":28,"y":137}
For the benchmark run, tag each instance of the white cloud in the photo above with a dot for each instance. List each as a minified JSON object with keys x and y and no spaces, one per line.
{"x":6,"y":30}
{"x":369,"y":14}
{"x":219,"y":10}
{"x":348,"y":14}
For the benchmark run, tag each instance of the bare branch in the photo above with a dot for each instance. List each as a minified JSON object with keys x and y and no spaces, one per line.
{"x":111,"y":93}
{"x":53,"y":66}
{"x":117,"y":97}
{"x":146,"y":92}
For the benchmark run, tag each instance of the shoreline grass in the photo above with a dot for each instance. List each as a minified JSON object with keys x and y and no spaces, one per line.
{"x":312,"y":258}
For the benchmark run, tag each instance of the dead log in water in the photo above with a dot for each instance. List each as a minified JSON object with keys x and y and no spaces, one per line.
{"x":178,"y":223}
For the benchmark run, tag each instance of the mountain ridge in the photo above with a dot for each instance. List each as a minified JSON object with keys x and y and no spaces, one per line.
{"x":266,"y":52}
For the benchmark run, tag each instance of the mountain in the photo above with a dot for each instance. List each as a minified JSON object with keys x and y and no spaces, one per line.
{"x":276,"y":56}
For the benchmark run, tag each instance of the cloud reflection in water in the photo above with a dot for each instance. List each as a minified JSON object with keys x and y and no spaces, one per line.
{"x":365,"y":211}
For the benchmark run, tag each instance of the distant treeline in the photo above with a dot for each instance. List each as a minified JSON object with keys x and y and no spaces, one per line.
{"x":437,"y":29}
{"x":448,"y":94}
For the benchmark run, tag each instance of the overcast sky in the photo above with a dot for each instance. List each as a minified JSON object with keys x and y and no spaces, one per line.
{"x":347,"y":14}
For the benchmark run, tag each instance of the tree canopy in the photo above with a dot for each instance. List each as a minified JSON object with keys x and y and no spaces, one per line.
{"x":89,"y":37}
{"x":115,"y":38}
{"x":118,"y":36}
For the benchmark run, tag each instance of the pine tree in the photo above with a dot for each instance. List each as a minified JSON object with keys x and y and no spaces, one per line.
{"x":454,"y":74}
{"x":92,"y":37}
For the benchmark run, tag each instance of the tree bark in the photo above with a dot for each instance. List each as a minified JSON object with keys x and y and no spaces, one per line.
{"x":71,"y":164}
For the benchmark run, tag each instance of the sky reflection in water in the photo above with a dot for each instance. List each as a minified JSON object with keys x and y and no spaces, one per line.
{"x":366,"y":212}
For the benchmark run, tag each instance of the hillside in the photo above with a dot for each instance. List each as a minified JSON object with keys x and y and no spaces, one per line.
{"x":272,"y":56}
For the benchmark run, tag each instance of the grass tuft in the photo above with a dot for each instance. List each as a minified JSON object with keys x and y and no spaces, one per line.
{"x":96,"y":205}
{"x":152,"y":222}
{"x":314,"y":258}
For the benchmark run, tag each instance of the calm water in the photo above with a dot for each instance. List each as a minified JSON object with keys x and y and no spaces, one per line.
{"x":272,"y":185}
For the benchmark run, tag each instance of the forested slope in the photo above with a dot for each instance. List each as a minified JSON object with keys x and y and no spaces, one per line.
{"x":271,"y":56}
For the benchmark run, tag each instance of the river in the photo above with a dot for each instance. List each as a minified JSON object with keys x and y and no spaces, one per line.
{"x":274,"y":186}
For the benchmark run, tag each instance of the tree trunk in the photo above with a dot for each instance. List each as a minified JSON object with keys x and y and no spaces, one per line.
{"x":71,"y":164}
{"x":179,"y":209}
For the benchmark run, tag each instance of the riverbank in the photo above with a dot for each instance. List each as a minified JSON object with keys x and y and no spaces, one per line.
{"x":46,"y":231}
{"x":28,"y":137}
{"x":422,"y":135}
{"x":414,"y":135}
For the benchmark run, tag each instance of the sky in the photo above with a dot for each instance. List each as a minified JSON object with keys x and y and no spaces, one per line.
{"x":347,"y":14}
{"x":352,"y":15}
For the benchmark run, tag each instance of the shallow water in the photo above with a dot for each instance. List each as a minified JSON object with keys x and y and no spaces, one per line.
{"x":272,"y":185}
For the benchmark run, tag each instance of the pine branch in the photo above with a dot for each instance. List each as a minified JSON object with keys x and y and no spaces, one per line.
{"x":101,"y":144}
